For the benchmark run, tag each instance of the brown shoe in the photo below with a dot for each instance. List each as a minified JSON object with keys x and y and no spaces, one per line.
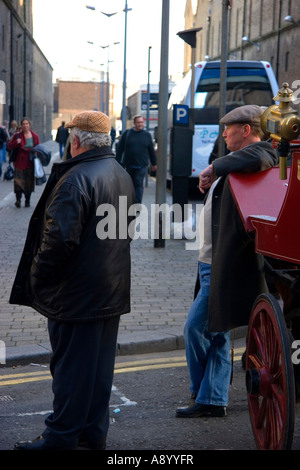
{"x":193,"y":399}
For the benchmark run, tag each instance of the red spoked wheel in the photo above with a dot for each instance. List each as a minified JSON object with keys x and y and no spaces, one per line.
{"x":269,"y":376}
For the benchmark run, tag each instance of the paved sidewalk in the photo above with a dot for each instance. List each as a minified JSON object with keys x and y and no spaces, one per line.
{"x":162,"y":287}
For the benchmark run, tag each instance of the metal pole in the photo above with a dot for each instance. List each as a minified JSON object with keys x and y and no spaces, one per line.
{"x":102,"y":107}
{"x":148,"y":91}
{"x":223,"y":74}
{"x":148,"y":106}
{"x":107,"y":84}
{"x":124,"y":73}
{"x":278,"y":40}
{"x":12,"y":82}
{"x":24,"y":73}
{"x":161,"y":173}
{"x":193,"y":78}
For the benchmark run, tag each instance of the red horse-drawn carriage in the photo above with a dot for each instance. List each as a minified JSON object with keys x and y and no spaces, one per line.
{"x":268,"y":203}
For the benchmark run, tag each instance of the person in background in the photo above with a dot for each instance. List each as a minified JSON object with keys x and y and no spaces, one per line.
{"x":230,"y":273}
{"x":23,"y":142}
{"x":134,"y":150}
{"x":67,"y":151}
{"x":13,"y":128}
{"x":79,"y":279}
{"x":112,"y":136}
{"x":3,"y":140}
{"x":61,"y":138}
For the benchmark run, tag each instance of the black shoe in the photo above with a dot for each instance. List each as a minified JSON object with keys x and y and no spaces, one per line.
{"x":27,"y":203}
{"x":18,"y":204}
{"x":201,"y":411}
{"x":37,"y":444}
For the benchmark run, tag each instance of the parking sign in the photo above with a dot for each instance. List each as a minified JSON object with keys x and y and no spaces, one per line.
{"x":181,"y":114}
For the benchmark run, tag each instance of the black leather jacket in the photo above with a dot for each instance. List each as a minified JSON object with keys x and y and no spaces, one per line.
{"x":67,"y":272}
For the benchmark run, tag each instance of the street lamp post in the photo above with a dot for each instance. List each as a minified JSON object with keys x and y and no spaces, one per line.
{"x":124,"y":70}
{"x":107,"y":80}
{"x":223,"y":73}
{"x":126,"y":9}
{"x":148,"y":91}
{"x":161,"y":173}
{"x":107,"y":76}
{"x":278,"y":41}
{"x":189,"y":36}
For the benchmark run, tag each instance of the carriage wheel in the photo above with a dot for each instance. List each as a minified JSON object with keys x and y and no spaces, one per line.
{"x":269,"y":376}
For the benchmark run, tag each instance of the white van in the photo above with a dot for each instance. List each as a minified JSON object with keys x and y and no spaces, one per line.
{"x":248,"y":82}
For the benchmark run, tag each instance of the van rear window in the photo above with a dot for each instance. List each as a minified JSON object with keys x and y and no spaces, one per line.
{"x":244,"y":86}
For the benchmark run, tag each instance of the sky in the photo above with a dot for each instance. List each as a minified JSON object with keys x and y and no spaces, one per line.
{"x":63,"y":28}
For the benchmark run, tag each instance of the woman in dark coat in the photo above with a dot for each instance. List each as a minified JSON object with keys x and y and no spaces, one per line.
{"x":23,"y":142}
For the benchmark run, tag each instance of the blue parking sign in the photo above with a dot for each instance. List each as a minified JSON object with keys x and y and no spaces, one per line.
{"x":181,"y":114}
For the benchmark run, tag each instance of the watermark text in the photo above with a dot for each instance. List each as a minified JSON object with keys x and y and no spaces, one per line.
{"x":139,"y":222}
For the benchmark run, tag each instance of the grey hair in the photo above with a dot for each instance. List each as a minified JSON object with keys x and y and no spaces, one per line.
{"x":90,"y":139}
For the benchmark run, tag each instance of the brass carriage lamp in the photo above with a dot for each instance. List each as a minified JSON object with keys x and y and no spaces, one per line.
{"x":282,"y":123}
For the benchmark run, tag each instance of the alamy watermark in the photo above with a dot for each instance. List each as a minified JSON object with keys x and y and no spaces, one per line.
{"x":2,"y":353}
{"x":296,"y":353}
{"x":296,"y":84}
{"x":2,"y":92}
{"x":161,"y":221}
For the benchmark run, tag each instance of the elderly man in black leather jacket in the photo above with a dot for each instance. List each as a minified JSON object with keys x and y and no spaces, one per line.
{"x":80,"y":280}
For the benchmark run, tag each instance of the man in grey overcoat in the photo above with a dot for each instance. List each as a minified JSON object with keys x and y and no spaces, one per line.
{"x":230,"y":272}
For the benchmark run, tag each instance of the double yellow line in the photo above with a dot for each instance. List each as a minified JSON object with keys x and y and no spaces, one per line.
{"x":120,"y":368}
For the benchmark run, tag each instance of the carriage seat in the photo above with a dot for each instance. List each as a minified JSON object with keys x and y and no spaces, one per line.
{"x":269,"y":207}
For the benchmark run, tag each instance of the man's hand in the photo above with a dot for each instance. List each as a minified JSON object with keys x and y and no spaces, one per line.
{"x":206,"y":178}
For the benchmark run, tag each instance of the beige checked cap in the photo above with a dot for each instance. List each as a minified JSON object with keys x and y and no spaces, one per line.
{"x":91,"y":121}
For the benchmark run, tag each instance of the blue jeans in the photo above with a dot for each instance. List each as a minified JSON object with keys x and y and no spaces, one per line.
{"x":61,"y":149}
{"x":137,"y":176}
{"x":207,"y":353}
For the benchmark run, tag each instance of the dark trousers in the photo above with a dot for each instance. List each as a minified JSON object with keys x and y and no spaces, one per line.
{"x":137,"y":176}
{"x":82,"y":368}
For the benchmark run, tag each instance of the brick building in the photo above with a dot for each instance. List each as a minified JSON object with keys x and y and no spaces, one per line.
{"x":25,"y":73}
{"x":71,"y":97}
{"x":270,"y":28}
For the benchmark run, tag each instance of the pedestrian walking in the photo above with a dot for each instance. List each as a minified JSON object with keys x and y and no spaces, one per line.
{"x":61,"y":138}
{"x":113,"y":136}
{"x":230,"y":272}
{"x":80,"y":282}
{"x":21,"y":144}
{"x":13,"y":128}
{"x":134,"y":151}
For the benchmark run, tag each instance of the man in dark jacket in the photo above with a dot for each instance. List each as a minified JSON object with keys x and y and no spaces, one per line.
{"x":80,"y":280}
{"x":134,"y":151}
{"x":230,"y":272}
{"x":61,"y":138}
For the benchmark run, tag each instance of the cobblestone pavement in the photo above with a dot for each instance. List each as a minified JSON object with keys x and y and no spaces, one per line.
{"x":162,"y":284}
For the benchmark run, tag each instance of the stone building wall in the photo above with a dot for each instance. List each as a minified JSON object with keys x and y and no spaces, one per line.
{"x":24,"y":71}
{"x":262,"y":21}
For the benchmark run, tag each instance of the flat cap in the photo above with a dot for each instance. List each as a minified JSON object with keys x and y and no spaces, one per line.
{"x":249,"y":114}
{"x":91,"y":121}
